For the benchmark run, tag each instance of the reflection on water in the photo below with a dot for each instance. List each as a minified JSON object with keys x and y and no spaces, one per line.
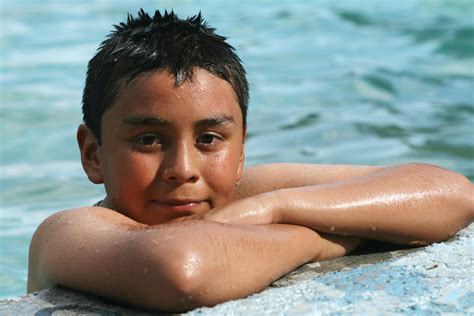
{"x":365,"y":82}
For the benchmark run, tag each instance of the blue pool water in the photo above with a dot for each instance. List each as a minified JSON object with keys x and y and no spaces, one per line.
{"x":363,"y":82}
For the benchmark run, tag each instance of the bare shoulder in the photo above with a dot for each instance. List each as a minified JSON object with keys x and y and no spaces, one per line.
{"x":51,"y":244}
{"x":268,"y":177}
{"x":100,"y":251}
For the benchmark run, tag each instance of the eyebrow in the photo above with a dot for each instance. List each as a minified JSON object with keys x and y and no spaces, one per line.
{"x":154,"y":121}
{"x":215,"y":121}
{"x":145,"y":121}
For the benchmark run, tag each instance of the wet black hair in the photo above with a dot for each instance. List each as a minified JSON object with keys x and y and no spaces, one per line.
{"x":162,"y":42}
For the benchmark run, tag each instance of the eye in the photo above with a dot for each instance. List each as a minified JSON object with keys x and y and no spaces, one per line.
{"x":148,"y":140}
{"x":208,"y":139}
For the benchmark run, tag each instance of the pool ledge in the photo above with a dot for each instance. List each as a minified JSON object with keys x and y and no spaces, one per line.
{"x":436,"y":279}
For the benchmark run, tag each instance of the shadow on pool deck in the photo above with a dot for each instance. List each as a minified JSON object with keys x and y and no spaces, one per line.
{"x":373,"y":253}
{"x":372,"y":266}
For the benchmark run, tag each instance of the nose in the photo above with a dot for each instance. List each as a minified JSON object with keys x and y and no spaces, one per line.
{"x":181,"y":164}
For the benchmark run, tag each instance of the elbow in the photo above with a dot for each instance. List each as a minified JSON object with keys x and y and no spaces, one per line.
{"x":181,"y":282}
{"x":452,"y":200}
{"x":454,"y":191}
{"x":459,"y":194}
{"x":466,"y":198}
{"x":456,"y":197}
{"x":187,"y":278}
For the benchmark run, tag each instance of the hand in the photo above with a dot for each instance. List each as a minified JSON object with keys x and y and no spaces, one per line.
{"x":254,"y":210}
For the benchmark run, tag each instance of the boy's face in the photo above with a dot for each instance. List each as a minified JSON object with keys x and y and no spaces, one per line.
{"x":170,"y":151}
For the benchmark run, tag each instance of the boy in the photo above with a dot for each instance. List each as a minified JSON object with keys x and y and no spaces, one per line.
{"x":183,"y":224}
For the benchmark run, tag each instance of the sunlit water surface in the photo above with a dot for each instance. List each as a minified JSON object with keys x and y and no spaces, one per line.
{"x":359,"y":82}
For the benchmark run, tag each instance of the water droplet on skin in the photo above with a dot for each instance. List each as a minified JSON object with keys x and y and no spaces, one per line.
{"x":145,"y":271}
{"x":97,"y":251}
{"x":374,"y":228}
{"x":333,"y":228}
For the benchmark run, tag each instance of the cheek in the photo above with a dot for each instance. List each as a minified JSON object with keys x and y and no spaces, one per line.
{"x":221,"y":173}
{"x":130,"y":173}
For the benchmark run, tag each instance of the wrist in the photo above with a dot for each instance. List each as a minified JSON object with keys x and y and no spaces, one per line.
{"x":274,"y":203}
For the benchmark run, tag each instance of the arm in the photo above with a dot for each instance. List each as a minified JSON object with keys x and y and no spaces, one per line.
{"x":407,"y":204}
{"x":270,"y":177}
{"x":175,"y":266}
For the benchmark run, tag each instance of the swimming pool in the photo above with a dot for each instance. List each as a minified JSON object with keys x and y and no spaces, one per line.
{"x":366,"y":82}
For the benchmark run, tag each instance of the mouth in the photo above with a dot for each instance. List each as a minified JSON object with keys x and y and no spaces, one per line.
{"x":183,"y":207}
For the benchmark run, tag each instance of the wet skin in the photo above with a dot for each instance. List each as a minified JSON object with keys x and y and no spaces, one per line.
{"x":168,"y":151}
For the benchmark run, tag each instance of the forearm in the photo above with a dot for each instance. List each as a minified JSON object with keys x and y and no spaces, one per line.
{"x":238,"y":260}
{"x":173,"y":267}
{"x":270,"y":177}
{"x":408,"y":204}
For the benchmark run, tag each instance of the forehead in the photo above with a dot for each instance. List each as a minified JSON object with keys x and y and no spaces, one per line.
{"x":157,"y":93}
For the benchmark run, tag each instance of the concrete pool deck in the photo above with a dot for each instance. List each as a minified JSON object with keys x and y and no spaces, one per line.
{"x":432,"y":280}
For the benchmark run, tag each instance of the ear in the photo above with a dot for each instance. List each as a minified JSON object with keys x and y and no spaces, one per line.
{"x":90,"y":154}
{"x":242,"y":156}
